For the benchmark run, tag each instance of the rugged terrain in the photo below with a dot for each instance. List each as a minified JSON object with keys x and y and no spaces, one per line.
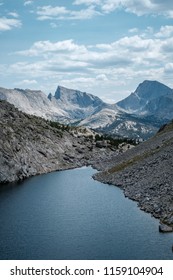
{"x":145,"y":174}
{"x":30,"y":145}
{"x":138,"y":116}
{"x":150,"y":98}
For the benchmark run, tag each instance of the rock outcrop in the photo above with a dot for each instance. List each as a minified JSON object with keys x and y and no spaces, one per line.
{"x":150,"y":98}
{"x":30,"y":145}
{"x":145,"y":174}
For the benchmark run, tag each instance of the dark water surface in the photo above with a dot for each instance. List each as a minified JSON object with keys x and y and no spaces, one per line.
{"x":68,"y":215}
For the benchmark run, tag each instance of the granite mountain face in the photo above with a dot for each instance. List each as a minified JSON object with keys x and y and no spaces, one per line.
{"x":66,"y":105}
{"x":150,"y":98}
{"x":138,"y":116}
{"x":142,"y":112}
{"x":77,"y":105}
{"x":32,"y":102}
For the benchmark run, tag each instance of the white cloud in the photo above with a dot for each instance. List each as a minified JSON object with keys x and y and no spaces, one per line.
{"x":167,"y":46}
{"x":13,"y":14}
{"x":109,"y":6}
{"x":130,"y":58}
{"x":165,"y":31}
{"x":47,"y":12}
{"x":8,"y":24}
{"x":142,"y":7}
{"x":133,"y":30}
{"x":46,"y":47}
{"x":169,"y":68}
{"x":86,"y":2}
{"x":26,"y":3}
{"x":94,"y":8}
{"x":88,"y":13}
{"x":101,"y":77}
{"x":155,"y":7}
{"x":132,"y":51}
{"x":61,"y":13}
{"x":70,"y":57}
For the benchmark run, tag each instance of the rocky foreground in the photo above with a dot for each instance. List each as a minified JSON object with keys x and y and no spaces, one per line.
{"x":145,"y":173}
{"x":30,"y":145}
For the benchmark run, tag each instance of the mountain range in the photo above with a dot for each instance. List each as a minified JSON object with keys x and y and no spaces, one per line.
{"x":138,"y":116}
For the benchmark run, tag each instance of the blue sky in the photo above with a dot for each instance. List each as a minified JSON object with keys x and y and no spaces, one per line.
{"x":104,"y":47}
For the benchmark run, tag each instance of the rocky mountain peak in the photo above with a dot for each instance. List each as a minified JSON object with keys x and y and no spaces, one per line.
{"x":147,"y":93}
{"x":50,"y":96}
{"x":76,"y":97}
{"x":152,"y":89}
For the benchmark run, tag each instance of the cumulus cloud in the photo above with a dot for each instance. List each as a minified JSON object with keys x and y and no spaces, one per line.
{"x":165,"y":31}
{"x":132,"y":51}
{"x":62,"y":13}
{"x":137,"y":7}
{"x":126,"y":59}
{"x":91,"y":8}
{"x":48,"y":12}
{"x":9,"y":23}
{"x":46,"y":47}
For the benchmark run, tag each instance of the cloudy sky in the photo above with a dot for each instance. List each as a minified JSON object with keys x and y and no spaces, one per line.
{"x":104,"y":47}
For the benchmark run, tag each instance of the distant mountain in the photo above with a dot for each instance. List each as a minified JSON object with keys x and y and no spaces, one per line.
{"x":102,"y":118}
{"x":138,"y":116}
{"x":67,"y":105}
{"x":119,"y":123}
{"x":150,"y":98}
{"x":77,"y":105}
{"x":32,"y":102}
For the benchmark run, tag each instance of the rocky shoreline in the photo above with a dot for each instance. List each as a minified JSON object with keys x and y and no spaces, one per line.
{"x":145,"y":175}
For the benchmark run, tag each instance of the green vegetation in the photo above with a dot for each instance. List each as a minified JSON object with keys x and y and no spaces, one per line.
{"x":133,"y":160}
{"x":59,"y":126}
{"x":114,"y":141}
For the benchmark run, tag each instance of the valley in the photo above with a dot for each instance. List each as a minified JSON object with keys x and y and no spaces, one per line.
{"x":33,"y":142}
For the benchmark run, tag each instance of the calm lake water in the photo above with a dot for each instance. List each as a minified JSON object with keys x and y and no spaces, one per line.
{"x":68,"y":215}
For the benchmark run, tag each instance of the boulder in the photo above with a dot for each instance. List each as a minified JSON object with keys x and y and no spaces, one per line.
{"x":165,"y":228}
